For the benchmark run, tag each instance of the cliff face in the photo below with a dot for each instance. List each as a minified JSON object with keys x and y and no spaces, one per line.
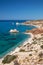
{"x":36,"y":31}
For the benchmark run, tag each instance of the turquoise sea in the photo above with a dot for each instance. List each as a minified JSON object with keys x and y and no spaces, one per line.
{"x":10,"y":41}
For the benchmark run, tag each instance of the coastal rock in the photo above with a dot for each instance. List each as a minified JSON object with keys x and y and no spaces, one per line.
{"x":13,"y":31}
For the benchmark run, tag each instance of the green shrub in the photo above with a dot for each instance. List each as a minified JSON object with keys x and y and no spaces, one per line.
{"x":30,"y":54}
{"x":42,"y":46}
{"x":41,"y":55}
{"x":34,"y":42}
{"x":22,"y":50}
{"x":40,"y":60}
{"x":9,"y":58}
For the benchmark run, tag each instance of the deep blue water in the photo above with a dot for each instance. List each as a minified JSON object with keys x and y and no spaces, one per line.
{"x":9,"y":41}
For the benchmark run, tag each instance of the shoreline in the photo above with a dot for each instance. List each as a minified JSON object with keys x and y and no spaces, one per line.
{"x":24,"y":43}
{"x":37,"y":26}
{"x":29,"y":40}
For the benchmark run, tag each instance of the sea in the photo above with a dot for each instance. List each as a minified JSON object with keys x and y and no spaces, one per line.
{"x":9,"y":41}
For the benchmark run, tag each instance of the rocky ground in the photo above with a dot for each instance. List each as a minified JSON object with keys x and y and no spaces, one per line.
{"x":31,"y":54}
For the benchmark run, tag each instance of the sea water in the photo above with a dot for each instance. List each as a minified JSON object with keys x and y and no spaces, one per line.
{"x":8,"y":40}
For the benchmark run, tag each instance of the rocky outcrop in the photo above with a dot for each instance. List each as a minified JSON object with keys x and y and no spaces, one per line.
{"x":13,"y":31}
{"x":35,"y":31}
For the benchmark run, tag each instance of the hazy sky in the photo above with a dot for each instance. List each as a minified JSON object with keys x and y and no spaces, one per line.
{"x":21,"y":9}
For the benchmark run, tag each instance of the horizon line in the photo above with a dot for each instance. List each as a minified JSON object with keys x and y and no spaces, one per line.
{"x":21,"y":19}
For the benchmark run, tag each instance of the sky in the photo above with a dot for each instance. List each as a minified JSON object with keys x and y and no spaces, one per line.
{"x":21,"y":9}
